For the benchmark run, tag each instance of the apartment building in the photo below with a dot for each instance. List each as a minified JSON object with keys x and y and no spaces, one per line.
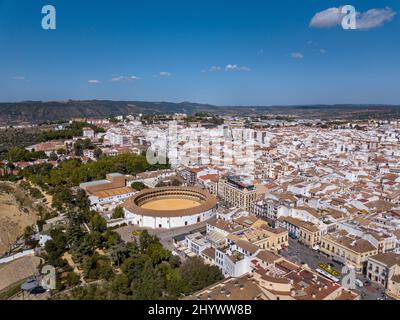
{"x":210,"y":182}
{"x":196,"y":243}
{"x":152,"y":178}
{"x":88,"y":132}
{"x":267,"y":238}
{"x":383,"y":239}
{"x":393,"y":285}
{"x":242,"y":288}
{"x":347,"y":249}
{"x":306,"y":232}
{"x":235,"y":191}
{"x":116,"y":136}
{"x":274,"y":205}
{"x":235,"y":257}
{"x":381,"y":267}
{"x":275,"y":278}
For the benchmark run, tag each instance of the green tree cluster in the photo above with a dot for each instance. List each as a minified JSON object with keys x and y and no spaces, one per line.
{"x":17,"y":154}
{"x":56,"y":247}
{"x":139,"y":186}
{"x":148,"y":271}
{"x":118,"y":213}
{"x":72,"y":130}
{"x":73,"y":172}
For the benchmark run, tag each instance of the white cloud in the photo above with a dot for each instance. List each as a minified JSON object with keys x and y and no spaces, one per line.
{"x":20,"y":78}
{"x":215,"y":69}
{"x":94,"y":81}
{"x":124,"y":78}
{"x":323,"y":51}
{"x":297,"y":55}
{"x":227,"y":68}
{"x":372,"y":18}
{"x":235,"y":67}
{"x":165,"y":74}
{"x":328,"y":18}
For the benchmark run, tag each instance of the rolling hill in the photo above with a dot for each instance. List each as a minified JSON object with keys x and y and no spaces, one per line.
{"x":38,"y":111}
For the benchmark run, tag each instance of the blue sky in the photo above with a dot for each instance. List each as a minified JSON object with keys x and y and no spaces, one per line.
{"x":220,"y":52}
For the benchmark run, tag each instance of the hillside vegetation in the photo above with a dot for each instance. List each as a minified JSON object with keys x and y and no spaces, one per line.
{"x":37,"y":111}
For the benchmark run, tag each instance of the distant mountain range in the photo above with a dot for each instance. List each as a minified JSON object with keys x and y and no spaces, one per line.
{"x":38,"y":111}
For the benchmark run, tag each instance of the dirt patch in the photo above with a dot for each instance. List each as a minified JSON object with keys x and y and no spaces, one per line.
{"x":18,"y":270}
{"x":16,"y":213}
{"x":68,"y":257}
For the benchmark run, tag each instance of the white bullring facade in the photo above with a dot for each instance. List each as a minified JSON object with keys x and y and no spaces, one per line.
{"x":169,"y":207}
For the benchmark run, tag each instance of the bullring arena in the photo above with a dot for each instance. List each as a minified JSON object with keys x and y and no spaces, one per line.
{"x":169,"y":207}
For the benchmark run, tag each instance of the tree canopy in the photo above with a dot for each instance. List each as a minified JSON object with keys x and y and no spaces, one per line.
{"x":148,"y":271}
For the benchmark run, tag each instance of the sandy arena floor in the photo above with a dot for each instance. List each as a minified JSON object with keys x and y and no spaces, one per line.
{"x":170,"y":204}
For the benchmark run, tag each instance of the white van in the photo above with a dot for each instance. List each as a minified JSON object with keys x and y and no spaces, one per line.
{"x":359,"y":283}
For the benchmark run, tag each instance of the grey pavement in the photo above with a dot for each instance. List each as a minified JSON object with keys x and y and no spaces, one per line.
{"x":165,"y":235}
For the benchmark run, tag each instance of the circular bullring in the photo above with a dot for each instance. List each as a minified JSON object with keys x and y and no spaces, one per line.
{"x":169,"y":207}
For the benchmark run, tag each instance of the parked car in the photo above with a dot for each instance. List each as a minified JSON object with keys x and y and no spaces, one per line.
{"x":359,"y":283}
